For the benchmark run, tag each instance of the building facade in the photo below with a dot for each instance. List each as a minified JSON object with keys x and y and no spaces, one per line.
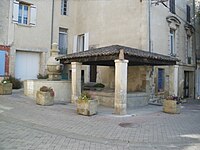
{"x":163,"y":27}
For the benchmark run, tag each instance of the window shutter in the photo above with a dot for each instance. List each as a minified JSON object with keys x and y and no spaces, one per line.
{"x":86,"y":42}
{"x":75,"y":44}
{"x":15,"y":11}
{"x":33,"y":15}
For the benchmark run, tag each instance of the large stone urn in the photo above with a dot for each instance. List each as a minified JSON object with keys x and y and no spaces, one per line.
{"x":54,"y":67}
{"x":87,"y":108}
{"x":44,"y":98}
{"x":86,"y":105}
{"x":171,"y":106}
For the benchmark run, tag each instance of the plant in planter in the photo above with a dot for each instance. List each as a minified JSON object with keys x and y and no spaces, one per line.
{"x":86,"y":105}
{"x":45,"y":96}
{"x":5,"y":87}
{"x":99,"y":86}
{"x":16,"y":83}
{"x":172,"y":104}
{"x":40,"y":76}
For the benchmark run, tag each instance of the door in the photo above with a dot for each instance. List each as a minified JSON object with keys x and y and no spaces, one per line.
{"x":93,"y":73}
{"x":27,"y":65}
{"x":186,"y":84}
{"x":2,"y":62}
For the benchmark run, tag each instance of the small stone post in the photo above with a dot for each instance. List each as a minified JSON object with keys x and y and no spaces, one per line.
{"x":76,"y":81}
{"x":120,"y":105}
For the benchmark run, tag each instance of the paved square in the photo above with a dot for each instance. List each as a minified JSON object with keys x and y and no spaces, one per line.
{"x":27,"y":126}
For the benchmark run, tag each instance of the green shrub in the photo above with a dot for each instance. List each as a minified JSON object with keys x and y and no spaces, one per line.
{"x":99,"y":85}
{"x":40,"y":76}
{"x":85,"y":96}
{"x":4,"y":81}
{"x":16,"y":83}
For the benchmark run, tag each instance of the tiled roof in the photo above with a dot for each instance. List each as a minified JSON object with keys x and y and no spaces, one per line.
{"x":114,"y":50}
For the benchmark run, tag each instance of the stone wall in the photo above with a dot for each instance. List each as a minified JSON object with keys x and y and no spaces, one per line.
{"x":136,"y":79}
{"x":62,"y":89}
{"x":106,"y":98}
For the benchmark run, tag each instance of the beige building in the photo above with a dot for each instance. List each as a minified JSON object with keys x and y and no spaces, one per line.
{"x":163,"y":27}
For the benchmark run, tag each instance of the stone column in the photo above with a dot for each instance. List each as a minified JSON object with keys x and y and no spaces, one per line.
{"x":120,"y":103}
{"x":76,"y":81}
{"x":176,"y":80}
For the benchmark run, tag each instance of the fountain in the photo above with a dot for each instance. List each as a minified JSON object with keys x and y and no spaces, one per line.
{"x":62,"y":88}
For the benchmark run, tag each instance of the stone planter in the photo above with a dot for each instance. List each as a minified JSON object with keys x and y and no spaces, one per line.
{"x":87,"y":108}
{"x":171,"y":106}
{"x":5,"y":89}
{"x":44,"y":98}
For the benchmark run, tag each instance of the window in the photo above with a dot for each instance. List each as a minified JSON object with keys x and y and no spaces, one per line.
{"x":188,"y":13}
{"x":172,"y":6}
{"x":24,"y":13}
{"x":161,"y":80}
{"x":63,"y":40}
{"x":64,"y":7}
{"x":81,"y":43}
{"x":172,"y":42}
{"x":189,"y":52}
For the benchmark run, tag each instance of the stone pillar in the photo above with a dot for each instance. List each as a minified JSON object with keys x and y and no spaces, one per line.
{"x":148,"y":81}
{"x":76,"y":81}
{"x":176,"y":80}
{"x":120,"y":103}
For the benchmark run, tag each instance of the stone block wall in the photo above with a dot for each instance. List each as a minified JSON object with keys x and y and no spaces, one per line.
{"x":106,"y":98}
{"x":61,"y":88}
{"x":136,"y":79}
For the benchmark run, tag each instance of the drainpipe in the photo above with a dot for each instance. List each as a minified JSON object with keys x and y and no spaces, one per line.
{"x":149,"y":47}
{"x":149,"y":25}
{"x":52,"y":20}
{"x":149,"y":33}
{"x":195,"y":50}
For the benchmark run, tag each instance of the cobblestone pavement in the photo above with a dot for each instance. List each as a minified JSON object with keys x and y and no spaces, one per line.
{"x":27,"y":126}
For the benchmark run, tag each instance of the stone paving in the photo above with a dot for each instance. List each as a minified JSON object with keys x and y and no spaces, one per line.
{"x":25,"y":125}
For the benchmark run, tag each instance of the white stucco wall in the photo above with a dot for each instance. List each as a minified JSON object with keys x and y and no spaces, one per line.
{"x":4,"y":20}
{"x":113,"y":22}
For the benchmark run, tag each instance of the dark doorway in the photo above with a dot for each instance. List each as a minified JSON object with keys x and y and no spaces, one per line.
{"x":93,"y":73}
{"x":64,"y":73}
{"x":186,"y":84}
{"x":82,"y":76}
